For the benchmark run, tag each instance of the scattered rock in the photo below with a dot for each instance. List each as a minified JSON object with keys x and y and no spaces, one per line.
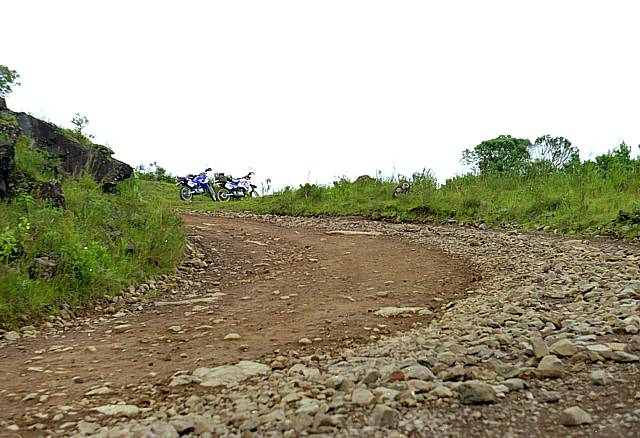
{"x":232,"y":337}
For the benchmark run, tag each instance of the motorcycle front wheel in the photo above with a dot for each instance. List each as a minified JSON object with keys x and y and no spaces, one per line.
{"x":224,"y":195}
{"x":254,"y":194}
{"x":185,"y":194}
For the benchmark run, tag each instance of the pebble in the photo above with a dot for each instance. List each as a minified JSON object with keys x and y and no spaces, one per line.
{"x":232,"y":336}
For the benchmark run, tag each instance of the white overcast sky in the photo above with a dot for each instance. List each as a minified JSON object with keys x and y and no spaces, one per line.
{"x":311,"y":90}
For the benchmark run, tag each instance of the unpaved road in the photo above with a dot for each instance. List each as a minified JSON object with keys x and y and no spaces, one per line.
{"x":299,"y":304}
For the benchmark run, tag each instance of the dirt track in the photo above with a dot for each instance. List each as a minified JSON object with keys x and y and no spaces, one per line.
{"x":280,"y":286}
{"x":502,"y":333}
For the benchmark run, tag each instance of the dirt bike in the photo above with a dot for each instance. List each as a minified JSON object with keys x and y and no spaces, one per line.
{"x":402,"y":187}
{"x":237,"y":188}
{"x":191,"y":185}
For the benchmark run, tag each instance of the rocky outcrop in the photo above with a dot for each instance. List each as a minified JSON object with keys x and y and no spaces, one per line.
{"x":6,"y":166}
{"x":76,"y":158}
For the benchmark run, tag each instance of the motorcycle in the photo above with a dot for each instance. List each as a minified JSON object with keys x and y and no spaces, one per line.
{"x":402,"y":187}
{"x":236,"y":188}
{"x":191,"y":185}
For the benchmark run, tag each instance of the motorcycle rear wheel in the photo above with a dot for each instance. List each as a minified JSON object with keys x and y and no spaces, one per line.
{"x":224,"y":195}
{"x":185,"y":194}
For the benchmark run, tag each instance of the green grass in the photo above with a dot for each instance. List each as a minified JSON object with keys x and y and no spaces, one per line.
{"x":103,"y":242}
{"x":586,"y":201}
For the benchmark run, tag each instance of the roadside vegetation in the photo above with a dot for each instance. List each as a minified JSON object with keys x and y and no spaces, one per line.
{"x":514,"y":183}
{"x":97,"y":245}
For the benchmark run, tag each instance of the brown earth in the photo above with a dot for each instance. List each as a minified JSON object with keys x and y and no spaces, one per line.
{"x":280,"y":285}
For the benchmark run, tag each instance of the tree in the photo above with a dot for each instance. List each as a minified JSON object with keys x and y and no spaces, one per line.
{"x":557,"y":151}
{"x":501,"y":154}
{"x":8,"y":78}
{"x":80,"y":122}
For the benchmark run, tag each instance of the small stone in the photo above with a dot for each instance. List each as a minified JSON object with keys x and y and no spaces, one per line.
{"x":99,"y":391}
{"x":301,"y":422}
{"x":232,"y":336}
{"x":600,"y":377}
{"x":12,"y":336}
{"x":121,"y":328}
{"x":575,"y":416}
{"x":371,"y":377}
{"x":564,"y":348}
{"x":515,"y":384}
{"x":305,"y":341}
{"x":540,"y":348}
{"x":550,"y":366}
{"x":549,"y":397}
{"x":362,"y":396}
{"x":634,"y":343}
{"x":175,"y":329}
{"x":441,"y":391}
{"x":87,"y":428}
{"x":419,"y":372}
{"x":622,"y":356}
{"x":91,"y":349}
{"x":118,"y":410}
{"x":474,"y":392}
{"x":384,"y":416}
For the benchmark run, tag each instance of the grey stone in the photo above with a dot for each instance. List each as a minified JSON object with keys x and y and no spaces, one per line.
{"x":419,"y":372}
{"x":230,"y":374}
{"x":564,"y":348}
{"x":600,"y":377}
{"x":549,"y":397}
{"x":384,"y":416}
{"x":575,"y":416}
{"x":540,"y":348}
{"x":12,"y":336}
{"x":474,"y":392}
{"x":118,"y":410}
{"x":441,"y":391}
{"x":550,"y":366}
{"x":362,"y":396}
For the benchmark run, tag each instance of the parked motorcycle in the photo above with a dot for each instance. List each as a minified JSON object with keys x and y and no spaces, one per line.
{"x":191,"y":185}
{"x":236,"y":188}
{"x":402,"y":187}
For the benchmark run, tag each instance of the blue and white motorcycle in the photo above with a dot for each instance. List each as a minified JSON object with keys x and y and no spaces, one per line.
{"x":238,"y":188}
{"x":191,"y":185}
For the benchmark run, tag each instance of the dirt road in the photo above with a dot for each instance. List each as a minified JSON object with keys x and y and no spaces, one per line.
{"x":273,"y":290}
{"x":287,"y":327}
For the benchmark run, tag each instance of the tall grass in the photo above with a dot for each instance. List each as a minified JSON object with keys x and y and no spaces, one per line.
{"x":101,"y":243}
{"x":586,"y":200}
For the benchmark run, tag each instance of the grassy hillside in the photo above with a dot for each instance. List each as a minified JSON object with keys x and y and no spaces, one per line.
{"x":590,"y":199}
{"x":98,"y":245}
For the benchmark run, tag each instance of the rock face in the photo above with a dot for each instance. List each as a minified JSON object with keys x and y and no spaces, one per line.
{"x":76,"y":158}
{"x":6,"y":166}
{"x":6,"y":154}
